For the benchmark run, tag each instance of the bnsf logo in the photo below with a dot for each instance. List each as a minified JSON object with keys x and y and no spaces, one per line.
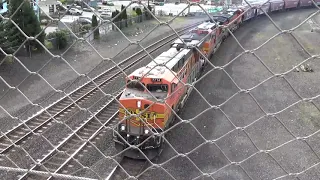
{"x":145,"y":115}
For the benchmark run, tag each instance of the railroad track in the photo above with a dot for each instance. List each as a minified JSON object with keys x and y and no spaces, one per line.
{"x":68,"y":105}
{"x":64,"y":154}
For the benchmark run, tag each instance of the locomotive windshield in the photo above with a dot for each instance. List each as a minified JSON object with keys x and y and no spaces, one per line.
{"x":159,"y":88}
{"x":135,"y":85}
{"x":195,"y":35}
{"x":219,"y":19}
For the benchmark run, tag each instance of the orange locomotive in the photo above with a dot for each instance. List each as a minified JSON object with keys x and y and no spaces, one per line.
{"x":142,"y":116}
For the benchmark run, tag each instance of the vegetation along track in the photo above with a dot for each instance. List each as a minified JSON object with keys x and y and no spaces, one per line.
{"x":60,"y":159}
{"x":67,"y":105}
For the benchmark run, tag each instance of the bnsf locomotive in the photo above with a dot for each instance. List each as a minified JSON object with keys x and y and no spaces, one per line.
{"x":156,"y":91}
{"x":142,"y":117}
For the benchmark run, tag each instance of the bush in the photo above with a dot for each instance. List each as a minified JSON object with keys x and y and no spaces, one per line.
{"x":63,"y":1}
{"x":134,"y":14}
{"x":8,"y":59}
{"x":124,"y":15}
{"x":48,"y":44}
{"x":59,"y":39}
{"x":117,"y":19}
{"x":138,"y":11}
{"x":94,"y":25}
{"x":114,"y":13}
{"x":85,"y":28}
{"x":148,"y":15}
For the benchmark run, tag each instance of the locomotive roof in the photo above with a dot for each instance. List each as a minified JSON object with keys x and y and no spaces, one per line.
{"x":224,"y":15}
{"x":259,"y":2}
{"x":189,"y":38}
{"x":193,"y":38}
{"x":232,"y":10}
{"x":206,"y":26}
{"x":221,"y":18}
{"x":159,"y":67}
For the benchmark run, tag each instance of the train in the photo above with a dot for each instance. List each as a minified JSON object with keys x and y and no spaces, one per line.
{"x":155,"y":93}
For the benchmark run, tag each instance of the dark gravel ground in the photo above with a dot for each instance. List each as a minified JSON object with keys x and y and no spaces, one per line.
{"x":230,"y":142}
{"x":80,"y":59}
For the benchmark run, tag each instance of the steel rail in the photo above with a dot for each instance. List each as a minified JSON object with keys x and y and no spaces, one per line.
{"x":73,"y":134}
{"x":85,"y":144}
{"x":82,"y":98}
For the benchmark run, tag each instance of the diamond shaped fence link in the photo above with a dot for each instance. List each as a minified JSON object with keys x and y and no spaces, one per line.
{"x":68,"y":152}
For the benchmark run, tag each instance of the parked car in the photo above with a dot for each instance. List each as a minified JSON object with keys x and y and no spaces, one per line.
{"x":87,"y":20}
{"x":107,"y":3}
{"x":105,"y":15}
{"x":88,"y":9}
{"x":74,"y":11}
{"x":106,"y":10}
{"x":84,"y":21}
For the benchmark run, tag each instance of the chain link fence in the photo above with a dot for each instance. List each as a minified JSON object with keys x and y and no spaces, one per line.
{"x":72,"y":136}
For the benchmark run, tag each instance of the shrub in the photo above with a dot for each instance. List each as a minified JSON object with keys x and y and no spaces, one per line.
{"x":114,"y":13}
{"x":8,"y":59}
{"x":85,"y":28}
{"x":94,"y":23}
{"x":63,"y":1}
{"x":148,"y":15}
{"x":117,"y":19}
{"x":59,"y":39}
{"x":138,"y":11}
{"x":48,"y":44}
{"x":124,"y":15}
{"x":133,"y":14}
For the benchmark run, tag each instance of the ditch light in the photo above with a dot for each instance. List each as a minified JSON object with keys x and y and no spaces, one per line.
{"x":139,"y":104}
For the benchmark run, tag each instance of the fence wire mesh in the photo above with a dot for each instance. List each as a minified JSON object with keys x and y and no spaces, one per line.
{"x":68,"y":134}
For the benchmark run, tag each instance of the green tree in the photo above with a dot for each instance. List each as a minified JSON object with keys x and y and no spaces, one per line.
{"x":124,"y":15}
{"x":94,"y":25}
{"x":138,"y":11}
{"x":148,"y":15}
{"x":2,"y":38}
{"x":114,"y":13}
{"x":59,"y":37}
{"x":26,"y":19}
{"x":117,"y":20}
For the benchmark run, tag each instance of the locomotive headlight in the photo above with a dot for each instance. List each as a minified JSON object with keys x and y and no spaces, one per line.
{"x":139,"y":104}
{"x":123,"y":127}
{"x":146,"y":131}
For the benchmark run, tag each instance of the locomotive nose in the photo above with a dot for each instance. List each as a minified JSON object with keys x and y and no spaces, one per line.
{"x":140,"y":112}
